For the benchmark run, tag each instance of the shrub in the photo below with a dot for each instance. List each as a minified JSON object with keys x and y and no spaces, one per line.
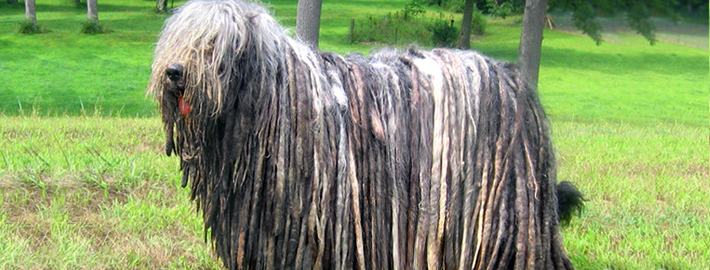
{"x":91,"y":28}
{"x":407,"y":26}
{"x":478,"y":23}
{"x":443,"y":33}
{"x":29,"y":28}
{"x":393,"y":29}
{"x":413,"y":8}
{"x":502,"y":10}
{"x":455,"y":6}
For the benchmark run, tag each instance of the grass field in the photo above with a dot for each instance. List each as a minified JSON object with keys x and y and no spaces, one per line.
{"x":84,"y":188}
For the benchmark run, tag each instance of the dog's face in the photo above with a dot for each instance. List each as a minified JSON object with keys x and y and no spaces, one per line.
{"x":175,"y":87}
{"x":213,"y":60}
{"x":200,"y":49}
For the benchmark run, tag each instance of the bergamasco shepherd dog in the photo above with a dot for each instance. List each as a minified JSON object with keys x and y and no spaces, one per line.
{"x":406,"y":159}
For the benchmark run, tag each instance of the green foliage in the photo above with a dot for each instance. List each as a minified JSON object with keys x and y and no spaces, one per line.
{"x":692,"y":10}
{"x":500,"y":8}
{"x":413,"y":8}
{"x":639,"y":19}
{"x":638,"y":14}
{"x":478,"y":23}
{"x":29,"y":28}
{"x":392,"y":29}
{"x":503,"y":10}
{"x":455,"y":6}
{"x":443,"y":33}
{"x":406,"y":27}
{"x":91,"y":28}
{"x":583,"y":19}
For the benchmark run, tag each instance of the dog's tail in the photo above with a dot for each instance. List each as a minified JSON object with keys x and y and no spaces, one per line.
{"x":570,"y":201}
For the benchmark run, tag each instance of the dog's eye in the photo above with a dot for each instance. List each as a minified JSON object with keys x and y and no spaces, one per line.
{"x":221,"y":69}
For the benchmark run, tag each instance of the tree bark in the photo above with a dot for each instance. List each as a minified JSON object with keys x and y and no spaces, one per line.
{"x":308,"y":21}
{"x":531,"y":40}
{"x":465,"y":34}
{"x":92,"y":11}
{"x":30,"y":12}
{"x":161,"y":5}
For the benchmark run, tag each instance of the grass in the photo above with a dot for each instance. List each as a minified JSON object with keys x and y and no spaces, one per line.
{"x":647,"y":188}
{"x":85,"y":188}
{"x":94,"y":193}
{"x":98,"y":192}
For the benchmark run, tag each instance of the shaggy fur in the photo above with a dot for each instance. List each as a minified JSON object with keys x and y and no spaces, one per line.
{"x":303,"y":159}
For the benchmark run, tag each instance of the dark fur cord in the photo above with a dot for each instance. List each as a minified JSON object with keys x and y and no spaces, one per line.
{"x":307,"y":160}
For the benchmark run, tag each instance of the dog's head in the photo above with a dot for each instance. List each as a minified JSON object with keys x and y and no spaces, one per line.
{"x":208,"y":54}
{"x":203,"y":49}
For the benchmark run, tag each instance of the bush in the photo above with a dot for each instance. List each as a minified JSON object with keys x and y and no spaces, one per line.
{"x":412,"y":9}
{"x":393,"y":29}
{"x":478,"y":23}
{"x":407,"y":26}
{"x":91,"y":28}
{"x":455,"y":6}
{"x":29,"y":28}
{"x":502,"y":10}
{"x":443,"y":33}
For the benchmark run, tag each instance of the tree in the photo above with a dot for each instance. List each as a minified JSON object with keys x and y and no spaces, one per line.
{"x":161,"y":5}
{"x":465,"y":34}
{"x":530,"y":47}
{"x":12,"y":2}
{"x":30,"y":13}
{"x":308,"y":21}
{"x":638,"y":14}
{"x":584,"y":13}
{"x":92,"y":11}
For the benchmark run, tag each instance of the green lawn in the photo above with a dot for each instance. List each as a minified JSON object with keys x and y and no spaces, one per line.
{"x":85,"y":183}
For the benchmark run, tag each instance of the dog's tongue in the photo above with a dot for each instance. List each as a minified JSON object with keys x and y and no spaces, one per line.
{"x":184,"y":107}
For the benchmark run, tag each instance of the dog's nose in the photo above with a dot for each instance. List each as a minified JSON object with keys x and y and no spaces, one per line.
{"x":174,"y":72}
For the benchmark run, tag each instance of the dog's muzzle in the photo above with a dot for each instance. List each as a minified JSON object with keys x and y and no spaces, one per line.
{"x":175,"y":74}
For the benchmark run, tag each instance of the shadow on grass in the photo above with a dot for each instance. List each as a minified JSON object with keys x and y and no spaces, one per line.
{"x":82,"y":10}
{"x":621,"y":63}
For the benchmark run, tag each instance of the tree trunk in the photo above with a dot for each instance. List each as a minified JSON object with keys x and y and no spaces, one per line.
{"x":30,"y":13}
{"x":308,"y":21}
{"x":161,"y":5}
{"x":531,"y":40}
{"x":92,"y":11}
{"x":465,"y":34}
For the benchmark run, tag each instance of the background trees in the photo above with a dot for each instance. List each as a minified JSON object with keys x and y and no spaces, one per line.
{"x":92,"y":11}
{"x":637,"y":14}
{"x":161,"y":5}
{"x":530,"y":48}
{"x":308,"y":21}
{"x":30,"y":12}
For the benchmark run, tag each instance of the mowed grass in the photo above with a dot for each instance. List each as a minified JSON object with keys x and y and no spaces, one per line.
{"x":94,"y":193}
{"x":64,"y":72}
{"x":83,"y":188}
{"x":647,"y":190}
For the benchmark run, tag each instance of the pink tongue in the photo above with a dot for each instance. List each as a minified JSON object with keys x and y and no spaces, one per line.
{"x":184,"y":107}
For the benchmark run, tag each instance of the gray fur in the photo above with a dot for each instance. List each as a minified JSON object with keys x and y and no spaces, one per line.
{"x":404,"y":160}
